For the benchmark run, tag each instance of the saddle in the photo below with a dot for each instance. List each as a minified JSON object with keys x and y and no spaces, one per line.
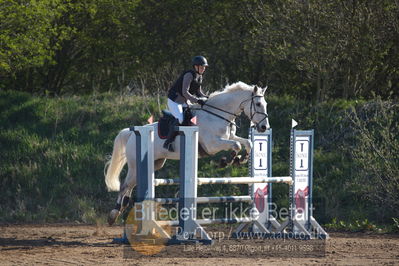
{"x":167,"y":118}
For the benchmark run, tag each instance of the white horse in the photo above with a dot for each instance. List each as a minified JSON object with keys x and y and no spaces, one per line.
{"x":216,"y":133}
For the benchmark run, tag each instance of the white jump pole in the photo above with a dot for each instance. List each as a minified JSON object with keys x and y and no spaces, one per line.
{"x":260,"y":165}
{"x":144,"y":206}
{"x":229,"y":180}
{"x":189,"y":228}
{"x":301,"y":222}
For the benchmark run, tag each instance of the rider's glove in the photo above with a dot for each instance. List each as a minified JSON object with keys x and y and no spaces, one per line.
{"x":201,"y":102}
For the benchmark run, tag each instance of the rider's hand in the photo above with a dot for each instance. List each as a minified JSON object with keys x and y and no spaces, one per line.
{"x":201,"y":102}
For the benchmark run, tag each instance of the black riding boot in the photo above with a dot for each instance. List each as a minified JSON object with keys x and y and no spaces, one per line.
{"x":171,"y":135}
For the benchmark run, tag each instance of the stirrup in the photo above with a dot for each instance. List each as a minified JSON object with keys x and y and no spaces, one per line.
{"x":168,"y":145}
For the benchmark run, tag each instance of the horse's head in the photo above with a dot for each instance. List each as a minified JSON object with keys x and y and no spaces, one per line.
{"x":256,"y":109}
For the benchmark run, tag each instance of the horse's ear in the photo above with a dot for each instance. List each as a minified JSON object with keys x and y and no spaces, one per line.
{"x":264,"y":90}
{"x":256,"y":89}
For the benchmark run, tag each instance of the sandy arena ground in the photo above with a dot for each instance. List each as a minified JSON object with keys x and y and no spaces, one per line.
{"x":60,"y":244}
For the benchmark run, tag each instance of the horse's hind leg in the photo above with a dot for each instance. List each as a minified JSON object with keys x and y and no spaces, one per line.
{"x":158,"y":164}
{"x":123,"y":197}
{"x":126,"y":191}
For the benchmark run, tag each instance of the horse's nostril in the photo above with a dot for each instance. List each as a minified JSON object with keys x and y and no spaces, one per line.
{"x":264,"y":127}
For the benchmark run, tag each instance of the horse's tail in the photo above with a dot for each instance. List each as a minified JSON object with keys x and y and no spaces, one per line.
{"x":114,"y":166}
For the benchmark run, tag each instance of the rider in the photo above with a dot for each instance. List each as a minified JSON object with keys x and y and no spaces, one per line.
{"x":185,"y":91}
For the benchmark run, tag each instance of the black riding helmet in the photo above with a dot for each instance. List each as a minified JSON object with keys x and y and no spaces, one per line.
{"x":200,"y":61}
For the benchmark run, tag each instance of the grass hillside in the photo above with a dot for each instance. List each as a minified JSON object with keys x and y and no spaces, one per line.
{"x":53,"y":152}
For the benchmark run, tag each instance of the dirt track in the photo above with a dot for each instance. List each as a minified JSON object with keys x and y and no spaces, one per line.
{"x":87,"y":244}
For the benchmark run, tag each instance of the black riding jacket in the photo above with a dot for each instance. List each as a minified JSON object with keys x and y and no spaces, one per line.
{"x":179,"y":94}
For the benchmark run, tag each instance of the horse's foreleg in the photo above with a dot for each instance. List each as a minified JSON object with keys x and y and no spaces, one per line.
{"x":247,"y":144}
{"x":224,"y":144}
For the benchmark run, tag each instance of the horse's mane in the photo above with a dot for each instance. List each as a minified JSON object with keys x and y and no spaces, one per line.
{"x":238,"y":86}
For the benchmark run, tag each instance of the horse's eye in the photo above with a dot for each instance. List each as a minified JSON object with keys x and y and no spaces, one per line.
{"x":258,"y":104}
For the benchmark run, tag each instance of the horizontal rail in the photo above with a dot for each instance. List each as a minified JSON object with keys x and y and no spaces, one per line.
{"x":210,"y":221}
{"x":244,"y":180}
{"x":229,"y":180}
{"x":207,"y":199}
{"x":166,"y":182}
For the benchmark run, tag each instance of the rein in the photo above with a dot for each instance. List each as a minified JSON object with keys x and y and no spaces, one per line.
{"x":221,"y":117}
{"x":217,"y":108}
{"x":252,"y":114}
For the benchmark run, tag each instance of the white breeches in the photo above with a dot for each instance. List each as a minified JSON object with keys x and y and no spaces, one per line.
{"x":176,"y":109}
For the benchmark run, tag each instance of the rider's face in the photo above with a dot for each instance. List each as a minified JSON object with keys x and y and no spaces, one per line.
{"x":200,"y":69}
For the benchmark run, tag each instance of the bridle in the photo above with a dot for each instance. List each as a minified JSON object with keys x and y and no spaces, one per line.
{"x":252,"y":113}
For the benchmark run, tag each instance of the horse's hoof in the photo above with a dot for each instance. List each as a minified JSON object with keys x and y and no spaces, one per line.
{"x":236,"y":161}
{"x":113,"y":215}
{"x":244,"y":159}
{"x":223,"y":162}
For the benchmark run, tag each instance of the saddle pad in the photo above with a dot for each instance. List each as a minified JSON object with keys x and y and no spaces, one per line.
{"x":163,"y":127}
{"x":163,"y":122}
